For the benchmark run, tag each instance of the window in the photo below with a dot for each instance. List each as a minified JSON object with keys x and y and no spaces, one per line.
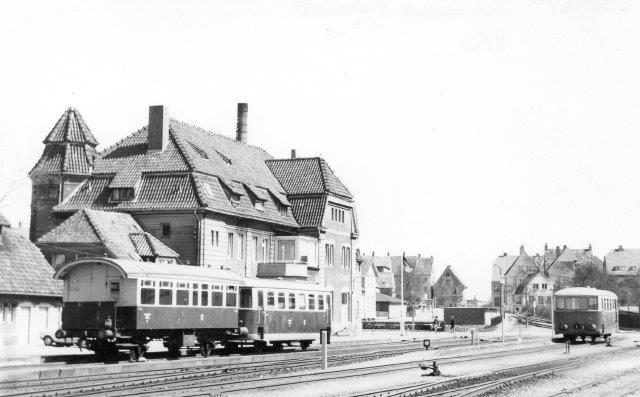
{"x":147,"y":292}
{"x":258,"y":205}
{"x":195,"y":293}
{"x":301,"y":302}
{"x":215,"y":238}
{"x":8,"y":313}
{"x":166,"y":229}
{"x":232,"y":296}
{"x":320,"y":302}
{"x":282,"y":210}
{"x":265,"y":250}
{"x":455,"y":291}
{"x":182,"y":294}
{"x":114,"y":287}
{"x":312,"y":302}
{"x":286,"y":250}
{"x":241,"y":238}
{"x":447,"y":281}
{"x":337,"y":215}
{"x":593,"y":303}
{"x":346,"y":257}
{"x":328,"y":254}
{"x":496,"y":301}
{"x":271,"y":300}
{"x":496,"y":287}
{"x":544,"y":286}
{"x":281,"y":301}
{"x":535,"y":286}
{"x":204,"y":295}
{"x":559,"y":303}
{"x":541,"y":300}
{"x":328,"y":301}
{"x":345,"y":298}
{"x":292,"y":301}
{"x":166,"y":293}
{"x":260,"y":299}
{"x":246,"y":298}
{"x":216,"y":295}
{"x":255,"y":249}
{"x":618,"y":268}
{"x":230,"y":245}
{"x":121,"y":194}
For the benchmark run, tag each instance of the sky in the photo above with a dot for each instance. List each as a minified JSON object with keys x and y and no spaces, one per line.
{"x":464,"y":129}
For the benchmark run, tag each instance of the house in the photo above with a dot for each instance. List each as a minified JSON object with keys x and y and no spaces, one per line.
{"x":498,"y":270}
{"x":385,"y":279}
{"x":389,"y":307}
{"x":213,"y":200}
{"x":521,"y":267}
{"x":369,"y":287}
{"x":102,"y":233}
{"x":622,"y":262}
{"x":30,"y":299}
{"x":448,"y":290}
{"x":561,"y":268}
{"x":535,"y":290}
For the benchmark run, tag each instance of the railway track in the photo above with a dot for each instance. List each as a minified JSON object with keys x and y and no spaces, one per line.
{"x":218,"y":387}
{"x":598,"y":381}
{"x":103,"y":383}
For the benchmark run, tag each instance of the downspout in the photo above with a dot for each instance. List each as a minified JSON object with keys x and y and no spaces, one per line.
{"x":198,"y":236}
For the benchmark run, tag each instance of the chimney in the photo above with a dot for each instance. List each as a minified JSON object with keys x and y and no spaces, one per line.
{"x":557,"y":250}
{"x":504,"y":254}
{"x":564,"y":247}
{"x":620,"y":248}
{"x":522,"y":249}
{"x":419,"y":255}
{"x":546,"y":247}
{"x":158,"y":128}
{"x":293,"y":153}
{"x":241,"y":127}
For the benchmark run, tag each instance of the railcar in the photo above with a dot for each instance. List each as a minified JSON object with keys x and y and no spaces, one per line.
{"x":113,"y":305}
{"x":585,"y":312}
{"x":280,"y":312}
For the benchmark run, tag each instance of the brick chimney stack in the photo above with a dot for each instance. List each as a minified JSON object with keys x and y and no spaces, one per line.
{"x":522,"y":249}
{"x":241,"y":127}
{"x":158,"y":128}
{"x":293,"y":153}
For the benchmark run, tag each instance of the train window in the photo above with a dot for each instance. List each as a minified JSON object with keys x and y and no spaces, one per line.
{"x":579,"y":303}
{"x":246,"y":298}
{"x":271,"y":300}
{"x":559,"y":303}
{"x":281,"y":302}
{"x":292,"y":301}
{"x":302,"y":304}
{"x":194,"y":295}
{"x":260,"y":299}
{"x":204,"y":295}
{"x":312,"y":302}
{"x":148,"y":292}
{"x":216,"y":295}
{"x":320,"y":302}
{"x":182,"y":294}
{"x":232,"y":296}
{"x":593,"y":303}
{"x":166,"y":293}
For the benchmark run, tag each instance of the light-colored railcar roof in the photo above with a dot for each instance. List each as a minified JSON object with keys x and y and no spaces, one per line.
{"x":585,"y":291}
{"x":282,"y":284}
{"x":137,"y":269}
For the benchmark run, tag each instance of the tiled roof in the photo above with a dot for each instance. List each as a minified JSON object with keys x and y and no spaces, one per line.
{"x":187,"y":174}
{"x":386,"y":298}
{"x":501,"y":265}
{"x":448,"y":270}
{"x":119,"y":233}
{"x":309,"y":211}
{"x":367,"y":262}
{"x":4,"y":221}
{"x":571,"y":255}
{"x":308,"y":176}
{"x":70,"y":147}
{"x":23,"y":268}
{"x":71,"y":128}
{"x":623,"y":262}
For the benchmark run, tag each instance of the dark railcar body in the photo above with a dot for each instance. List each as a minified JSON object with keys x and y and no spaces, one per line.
{"x":585,"y":312}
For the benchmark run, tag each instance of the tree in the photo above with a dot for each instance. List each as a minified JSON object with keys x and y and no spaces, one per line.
{"x":591,"y":275}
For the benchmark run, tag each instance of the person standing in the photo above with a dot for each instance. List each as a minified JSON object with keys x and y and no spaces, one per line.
{"x":453,"y":324}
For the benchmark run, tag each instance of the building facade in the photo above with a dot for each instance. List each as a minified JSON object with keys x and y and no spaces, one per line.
{"x":448,"y":291}
{"x":213,"y":200}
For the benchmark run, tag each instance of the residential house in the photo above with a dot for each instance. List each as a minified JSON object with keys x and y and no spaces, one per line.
{"x":385,"y":280}
{"x":30,"y":299}
{"x":535,"y":290}
{"x":213,"y":200}
{"x":498,"y":271}
{"x":389,"y":307}
{"x":563,"y":263}
{"x":516,"y":269}
{"x":101,"y":233}
{"x":448,"y":290}
{"x":622,"y":262}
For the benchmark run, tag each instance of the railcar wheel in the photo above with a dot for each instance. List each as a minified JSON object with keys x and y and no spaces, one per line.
{"x":593,"y":339}
{"x":584,"y":338}
{"x":277,"y":346}
{"x":174,"y":351}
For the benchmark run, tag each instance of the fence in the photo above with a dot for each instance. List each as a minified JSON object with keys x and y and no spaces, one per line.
{"x":629,"y":319}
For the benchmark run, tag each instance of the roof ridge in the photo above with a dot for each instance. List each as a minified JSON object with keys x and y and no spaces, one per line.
{"x":117,"y":144}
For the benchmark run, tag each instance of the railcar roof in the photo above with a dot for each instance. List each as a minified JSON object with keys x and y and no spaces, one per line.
{"x":137,"y":269}
{"x":585,"y":291}
{"x":282,"y":284}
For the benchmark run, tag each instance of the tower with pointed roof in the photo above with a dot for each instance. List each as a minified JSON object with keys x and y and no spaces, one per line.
{"x":67,"y":161}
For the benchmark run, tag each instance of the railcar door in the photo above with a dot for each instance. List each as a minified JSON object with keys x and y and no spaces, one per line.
{"x":262,"y":314}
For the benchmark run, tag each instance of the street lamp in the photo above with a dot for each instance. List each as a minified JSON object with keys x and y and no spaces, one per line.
{"x":503,"y":281}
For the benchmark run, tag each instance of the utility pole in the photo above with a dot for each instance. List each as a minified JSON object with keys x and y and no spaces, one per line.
{"x":503,"y":280}
{"x":402,"y":296}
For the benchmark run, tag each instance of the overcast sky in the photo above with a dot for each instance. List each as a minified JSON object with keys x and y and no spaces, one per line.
{"x":463,"y":129}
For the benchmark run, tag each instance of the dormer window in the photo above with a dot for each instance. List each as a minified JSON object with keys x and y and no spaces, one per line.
{"x":259,"y":205}
{"x":283,"y":210}
{"x":122,"y":194}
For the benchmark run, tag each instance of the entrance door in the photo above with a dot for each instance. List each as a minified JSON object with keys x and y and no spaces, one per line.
{"x":23,"y":329}
{"x":344,"y":307}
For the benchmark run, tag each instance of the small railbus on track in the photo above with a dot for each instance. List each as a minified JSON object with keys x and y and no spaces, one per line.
{"x":585,"y":312}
